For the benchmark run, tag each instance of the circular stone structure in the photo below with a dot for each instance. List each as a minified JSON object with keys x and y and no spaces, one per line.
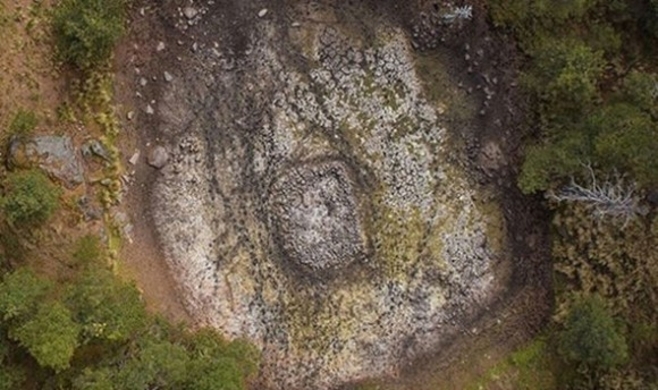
{"x":315,"y":216}
{"x":319,"y":151}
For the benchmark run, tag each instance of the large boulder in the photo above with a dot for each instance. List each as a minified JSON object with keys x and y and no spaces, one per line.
{"x":55,"y":155}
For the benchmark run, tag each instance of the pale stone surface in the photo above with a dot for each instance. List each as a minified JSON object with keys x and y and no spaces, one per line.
{"x":315,"y":210}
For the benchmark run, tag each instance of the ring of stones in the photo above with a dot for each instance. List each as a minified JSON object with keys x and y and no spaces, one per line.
{"x":315,"y":216}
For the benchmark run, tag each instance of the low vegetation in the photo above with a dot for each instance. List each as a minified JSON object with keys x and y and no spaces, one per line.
{"x":86,"y":31}
{"x":591,"y":77}
{"x":70,"y":322}
{"x":29,"y":198}
{"x":93,"y":332}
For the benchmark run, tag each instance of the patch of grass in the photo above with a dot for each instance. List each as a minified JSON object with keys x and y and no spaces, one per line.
{"x":531,"y":367}
{"x":441,"y":88}
{"x":23,"y":123}
{"x":87,"y":249}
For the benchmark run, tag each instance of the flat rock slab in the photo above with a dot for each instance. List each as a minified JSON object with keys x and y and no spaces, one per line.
{"x":55,"y":155}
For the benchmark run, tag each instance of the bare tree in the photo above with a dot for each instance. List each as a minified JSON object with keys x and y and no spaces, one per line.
{"x":611,"y":197}
{"x":459,"y":13}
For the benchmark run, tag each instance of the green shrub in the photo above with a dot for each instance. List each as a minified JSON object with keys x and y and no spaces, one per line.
{"x":591,"y":337}
{"x":627,"y":141}
{"x":30,"y":198}
{"x":564,"y":76}
{"x":23,"y":123}
{"x":106,"y":307}
{"x":553,"y":160}
{"x":20,"y":292}
{"x":50,"y":336}
{"x":87,"y":30}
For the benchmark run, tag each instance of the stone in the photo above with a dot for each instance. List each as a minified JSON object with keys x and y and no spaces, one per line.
{"x":168,"y":77}
{"x":149,"y":109}
{"x":190,"y":12}
{"x":160,"y":47}
{"x":134,"y":159}
{"x":262,"y":13}
{"x":158,"y":157}
{"x":143,"y":82}
{"x":89,"y":211}
{"x":94,"y":147}
{"x":314,"y":208}
{"x":130,"y":115}
{"x":55,"y":155}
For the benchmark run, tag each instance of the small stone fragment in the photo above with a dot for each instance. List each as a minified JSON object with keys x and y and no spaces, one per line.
{"x":161,"y":46}
{"x":262,"y":12}
{"x":149,"y":110}
{"x":190,"y":12}
{"x":143,"y":81}
{"x":296,"y":24}
{"x":158,"y":157}
{"x":135,"y":158}
{"x":130,"y":115}
{"x":168,"y":77}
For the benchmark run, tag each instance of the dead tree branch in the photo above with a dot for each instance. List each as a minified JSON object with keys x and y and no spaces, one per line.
{"x":611,"y":197}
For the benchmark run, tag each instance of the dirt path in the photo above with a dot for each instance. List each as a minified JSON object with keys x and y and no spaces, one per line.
{"x":143,"y":262}
{"x":142,"y":259}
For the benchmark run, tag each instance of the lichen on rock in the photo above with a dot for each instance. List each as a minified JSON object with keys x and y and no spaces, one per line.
{"x":314,"y":210}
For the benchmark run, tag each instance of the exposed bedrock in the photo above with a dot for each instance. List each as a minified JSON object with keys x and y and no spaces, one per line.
{"x":313,"y":200}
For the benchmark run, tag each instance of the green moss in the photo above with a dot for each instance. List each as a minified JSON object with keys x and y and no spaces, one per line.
{"x":496,"y":229}
{"x":398,"y":236}
{"x":441,"y":88}
{"x":530,"y":367}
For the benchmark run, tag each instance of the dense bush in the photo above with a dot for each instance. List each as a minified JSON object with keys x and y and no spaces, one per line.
{"x":94,"y":333}
{"x":595,"y":102}
{"x":30,"y":198}
{"x":591,"y":336}
{"x":87,"y":30}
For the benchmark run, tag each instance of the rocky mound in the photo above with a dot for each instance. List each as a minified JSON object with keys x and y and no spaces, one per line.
{"x":315,"y":217}
{"x":313,"y":200}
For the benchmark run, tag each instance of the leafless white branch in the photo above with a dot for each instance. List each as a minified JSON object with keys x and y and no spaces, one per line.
{"x":611,"y":197}
{"x":457,"y":13}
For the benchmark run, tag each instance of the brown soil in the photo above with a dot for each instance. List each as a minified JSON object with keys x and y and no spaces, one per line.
{"x":142,"y":259}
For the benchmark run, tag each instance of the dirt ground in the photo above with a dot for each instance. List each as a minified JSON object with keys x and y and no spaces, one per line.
{"x":515,"y":317}
{"x":142,"y":258}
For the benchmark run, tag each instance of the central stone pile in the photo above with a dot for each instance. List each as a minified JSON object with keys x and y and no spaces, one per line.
{"x":315,"y":216}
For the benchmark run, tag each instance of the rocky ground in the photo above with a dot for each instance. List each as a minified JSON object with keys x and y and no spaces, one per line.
{"x":328,"y":184}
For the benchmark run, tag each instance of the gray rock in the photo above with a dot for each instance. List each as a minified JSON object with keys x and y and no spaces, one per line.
{"x":53,"y":154}
{"x":158,"y":157}
{"x":168,"y":77}
{"x":190,"y":12}
{"x":94,"y":147}
{"x":262,"y":13}
{"x":149,"y":109}
{"x":90,"y":211}
{"x":160,"y":47}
